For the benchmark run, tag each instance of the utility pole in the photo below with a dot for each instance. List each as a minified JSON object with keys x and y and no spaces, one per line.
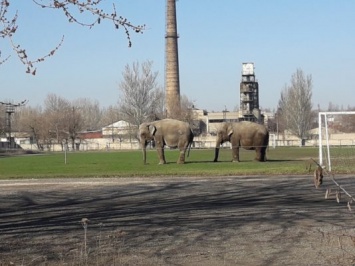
{"x":9,"y":110}
{"x":225,"y":114}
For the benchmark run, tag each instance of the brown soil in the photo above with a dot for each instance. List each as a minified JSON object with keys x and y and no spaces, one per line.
{"x":175,"y":221}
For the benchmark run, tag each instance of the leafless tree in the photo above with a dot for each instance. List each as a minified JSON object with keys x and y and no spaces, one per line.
{"x":110,"y":115}
{"x":64,"y":119}
{"x":90,"y":112}
{"x":34,"y":121}
{"x":334,"y":107}
{"x":185,"y":112}
{"x":2,"y":121}
{"x":57,"y":110}
{"x":141,"y":98}
{"x":295,"y":104}
{"x":74,"y":124}
{"x":60,"y":121}
{"x":75,"y":10}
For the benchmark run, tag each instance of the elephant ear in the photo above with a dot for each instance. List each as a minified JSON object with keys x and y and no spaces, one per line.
{"x":152,"y":129}
{"x":230,"y":131}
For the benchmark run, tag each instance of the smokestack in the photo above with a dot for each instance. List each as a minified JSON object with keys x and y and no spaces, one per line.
{"x":172,"y":82}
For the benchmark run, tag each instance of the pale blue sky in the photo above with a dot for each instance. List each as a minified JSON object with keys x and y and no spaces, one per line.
{"x":216,"y":37}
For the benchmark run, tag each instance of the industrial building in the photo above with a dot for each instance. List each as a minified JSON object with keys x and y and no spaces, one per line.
{"x":249,"y":95}
{"x":249,"y":109}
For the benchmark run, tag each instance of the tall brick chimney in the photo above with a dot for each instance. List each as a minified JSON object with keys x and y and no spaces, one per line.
{"x":172,"y":82}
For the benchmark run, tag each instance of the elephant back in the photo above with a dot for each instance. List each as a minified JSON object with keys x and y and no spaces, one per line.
{"x":251,"y":134}
{"x":173,"y":126}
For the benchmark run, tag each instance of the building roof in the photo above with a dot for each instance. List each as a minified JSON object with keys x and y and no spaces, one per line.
{"x":119,"y":125}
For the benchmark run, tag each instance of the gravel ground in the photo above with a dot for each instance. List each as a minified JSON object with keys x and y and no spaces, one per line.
{"x":255,"y":220}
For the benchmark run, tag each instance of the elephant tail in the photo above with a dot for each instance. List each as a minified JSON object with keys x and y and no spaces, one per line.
{"x":266,"y":141}
{"x":189,"y":148}
{"x":190,"y":143}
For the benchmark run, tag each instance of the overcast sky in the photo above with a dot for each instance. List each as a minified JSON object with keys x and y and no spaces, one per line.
{"x":216,"y":37}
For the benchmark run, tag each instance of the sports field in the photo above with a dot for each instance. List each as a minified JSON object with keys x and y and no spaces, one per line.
{"x":282,"y":160}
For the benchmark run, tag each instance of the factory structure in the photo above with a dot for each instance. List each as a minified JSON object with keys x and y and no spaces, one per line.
{"x":249,"y":109}
{"x":249,"y":95}
{"x":172,"y":81}
{"x":249,"y":87}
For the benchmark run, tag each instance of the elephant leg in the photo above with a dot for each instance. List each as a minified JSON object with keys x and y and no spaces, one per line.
{"x":161,"y":155}
{"x":216,"y":153}
{"x":263,"y":154}
{"x":182,"y":148}
{"x":181,"y":159}
{"x":260,"y":154}
{"x":235,"y":154}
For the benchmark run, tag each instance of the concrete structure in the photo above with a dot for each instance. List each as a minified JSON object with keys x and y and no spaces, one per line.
{"x":215,"y":119}
{"x":249,"y":94}
{"x":172,"y":82}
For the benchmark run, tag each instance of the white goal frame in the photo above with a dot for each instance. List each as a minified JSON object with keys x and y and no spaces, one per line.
{"x":320,"y":144}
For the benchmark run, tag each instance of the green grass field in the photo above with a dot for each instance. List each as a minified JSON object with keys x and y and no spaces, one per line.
{"x":282,"y":160}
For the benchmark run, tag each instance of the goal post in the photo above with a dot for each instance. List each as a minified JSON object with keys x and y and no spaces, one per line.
{"x":336,"y":134}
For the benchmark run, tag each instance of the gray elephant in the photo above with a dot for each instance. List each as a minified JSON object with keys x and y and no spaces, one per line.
{"x":170,"y":132}
{"x":245,"y":134}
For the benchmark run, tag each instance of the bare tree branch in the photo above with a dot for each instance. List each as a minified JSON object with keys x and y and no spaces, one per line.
{"x":91,"y":7}
{"x":71,"y":9}
{"x":22,"y":55}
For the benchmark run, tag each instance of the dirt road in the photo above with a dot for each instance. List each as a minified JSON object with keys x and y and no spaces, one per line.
{"x":175,"y":221}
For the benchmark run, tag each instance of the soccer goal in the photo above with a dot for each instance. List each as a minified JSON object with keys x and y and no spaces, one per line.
{"x":337,"y":141}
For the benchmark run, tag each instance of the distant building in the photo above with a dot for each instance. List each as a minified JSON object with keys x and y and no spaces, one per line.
{"x":117,"y":130}
{"x":210,"y":121}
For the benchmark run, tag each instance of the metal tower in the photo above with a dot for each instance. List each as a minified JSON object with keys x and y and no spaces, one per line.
{"x":249,"y":94}
{"x":172,"y":82}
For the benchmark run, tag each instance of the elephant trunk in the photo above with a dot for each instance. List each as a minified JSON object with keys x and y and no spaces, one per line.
{"x":216,"y":151}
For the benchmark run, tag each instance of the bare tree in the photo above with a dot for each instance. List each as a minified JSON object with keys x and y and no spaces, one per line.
{"x":64,"y":119}
{"x":2,"y":121}
{"x":57,"y":109}
{"x":295,"y":104}
{"x":184,"y":112}
{"x":90,"y":112}
{"x":334,"y":107}
{"x":74,"y":124}
{"x":34,"y":121}
{"x":141,"y":97}
{"x":60,"y":121}
{"x":110,"y":115}
{"x":74,"y":10}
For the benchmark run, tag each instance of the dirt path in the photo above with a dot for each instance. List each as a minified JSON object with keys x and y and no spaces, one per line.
{"x":174,"y":221}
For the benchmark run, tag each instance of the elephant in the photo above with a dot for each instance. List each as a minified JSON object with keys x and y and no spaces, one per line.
{"x":249,"y":135}
{"x":170,"y":132}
